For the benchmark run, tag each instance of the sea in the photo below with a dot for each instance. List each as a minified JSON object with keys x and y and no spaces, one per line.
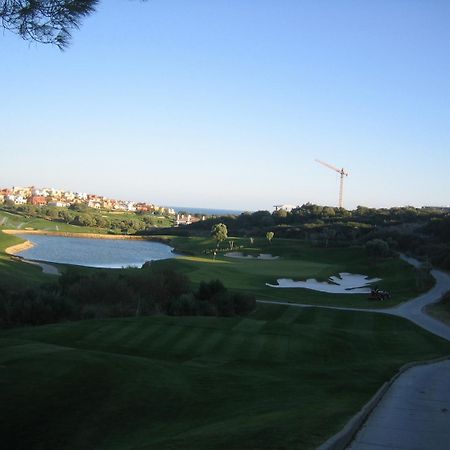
{"x":207,"y":211}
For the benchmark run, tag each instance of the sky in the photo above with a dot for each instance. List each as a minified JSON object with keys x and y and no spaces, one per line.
{"x":227,"y":103}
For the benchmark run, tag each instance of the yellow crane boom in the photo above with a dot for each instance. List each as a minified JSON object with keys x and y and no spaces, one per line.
{"x":343,"y":173}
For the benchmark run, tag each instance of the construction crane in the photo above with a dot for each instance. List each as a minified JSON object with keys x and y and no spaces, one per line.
{"x":343,"y":173}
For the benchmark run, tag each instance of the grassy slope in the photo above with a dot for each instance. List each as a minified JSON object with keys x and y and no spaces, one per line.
{"x":19,"y":222}
{"x":14,"y":272}
{"x":10,"y":220}
{"x":283,"y":378}
{"x":299,"y":261}
{"x":440,"y":311}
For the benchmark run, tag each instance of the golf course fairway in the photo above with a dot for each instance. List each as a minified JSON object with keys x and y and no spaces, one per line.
{"x":281,"y":378}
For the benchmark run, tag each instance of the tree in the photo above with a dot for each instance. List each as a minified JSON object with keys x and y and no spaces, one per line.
{"x":282,"y":213}
{"x":328,"y":211}
{"x":219,"y":232}
{"x":45,"y":21}
{"x":377,"y":248}
{"x":269,"y":236}
{"x":328,"y":233}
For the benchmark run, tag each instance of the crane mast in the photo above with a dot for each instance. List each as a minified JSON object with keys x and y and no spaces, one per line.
{"x":342,"y":174}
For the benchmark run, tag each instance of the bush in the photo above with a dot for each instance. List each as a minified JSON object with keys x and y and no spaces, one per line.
{"x":102,"y":294}
{"x":206,"y":291}
{"x":378,"y":248}
{"x":185,"y":305}
{"x":34,"y":307}
{"x":244,"y":304}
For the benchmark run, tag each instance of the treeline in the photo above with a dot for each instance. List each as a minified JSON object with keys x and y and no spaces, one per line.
{"x":310,"y":214}
{"x":106,"y":294}
{"x":424,"y":232}
{"x":82,"y":215}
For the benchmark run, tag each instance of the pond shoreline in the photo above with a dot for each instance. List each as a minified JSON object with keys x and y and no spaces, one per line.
{"x":47,"y":268}
{"x":129,"y":245}
{"x":17,"y":248}
{"x":87,"y":235}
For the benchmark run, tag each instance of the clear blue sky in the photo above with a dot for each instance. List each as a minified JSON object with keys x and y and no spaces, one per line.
{"x":226,"y":103}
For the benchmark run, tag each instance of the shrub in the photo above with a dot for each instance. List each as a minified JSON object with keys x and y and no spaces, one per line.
{"x":206,"y":291}
{"x":185,"y":305}
{"x":244,"y":304}
{"x":377,"y":248}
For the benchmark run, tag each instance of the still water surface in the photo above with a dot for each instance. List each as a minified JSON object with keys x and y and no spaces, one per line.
{"x":106,"y":253}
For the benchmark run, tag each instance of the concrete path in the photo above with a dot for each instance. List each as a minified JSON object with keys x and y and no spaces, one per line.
{"x":414,"y":414}
{"x":414,"y":310}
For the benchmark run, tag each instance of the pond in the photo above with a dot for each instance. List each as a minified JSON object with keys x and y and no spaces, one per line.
{"x":104,"y":253}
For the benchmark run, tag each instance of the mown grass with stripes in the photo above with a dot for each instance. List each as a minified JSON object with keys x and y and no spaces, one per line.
{"x":284,"y":377}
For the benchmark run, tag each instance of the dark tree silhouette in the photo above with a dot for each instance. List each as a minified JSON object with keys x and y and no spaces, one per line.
{"x":45,"y":21}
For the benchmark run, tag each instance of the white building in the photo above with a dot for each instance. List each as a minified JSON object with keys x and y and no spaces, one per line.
{"x":39,"y":192}
{"x":18,"y":199}
{"x":183,"y":220}
{"x":94,"y":204}
{"x":287,"y":208}
{"x":69,"y":196}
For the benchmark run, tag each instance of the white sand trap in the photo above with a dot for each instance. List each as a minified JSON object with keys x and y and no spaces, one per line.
{"x":345,"y":283}
{"x":242,"y":256}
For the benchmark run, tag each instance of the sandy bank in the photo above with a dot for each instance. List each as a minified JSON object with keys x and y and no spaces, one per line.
{"x":85,"y":235}
{"x":13,"y":249}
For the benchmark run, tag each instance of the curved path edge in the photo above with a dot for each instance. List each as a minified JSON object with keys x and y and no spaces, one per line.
{"x":344,"y":438}
{"x":413,"y":310}
{"x":47,"y":268}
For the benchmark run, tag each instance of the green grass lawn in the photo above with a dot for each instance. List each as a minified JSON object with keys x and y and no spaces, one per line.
{"x":440,"y":310}
{"x":282,"y":378}
{"x":22,"y":221}
{"x":9,"y":221}
{"x":15,"y":273}
{"x":299,"y":261}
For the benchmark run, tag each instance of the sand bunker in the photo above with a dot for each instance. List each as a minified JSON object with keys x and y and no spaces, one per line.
{"x":345,"y":283}
{"x":242,"y":256}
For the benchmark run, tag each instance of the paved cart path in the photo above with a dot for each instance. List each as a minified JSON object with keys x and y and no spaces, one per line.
{"x":414,"y":413}
{"x":414,"y":310}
